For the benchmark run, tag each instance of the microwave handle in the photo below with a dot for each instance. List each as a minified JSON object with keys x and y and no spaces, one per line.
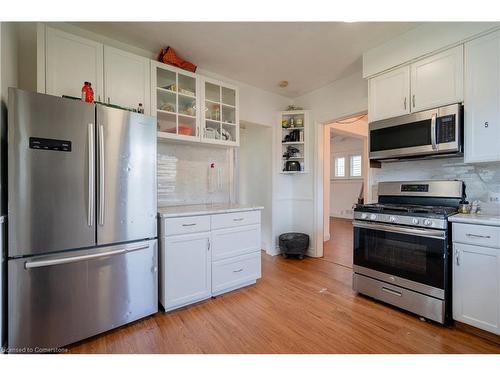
{"x":433,"y":131}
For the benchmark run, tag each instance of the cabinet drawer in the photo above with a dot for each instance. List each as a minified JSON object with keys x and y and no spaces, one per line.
{"x":230,"y":242}
{"x":185,"y":225}
{"x":229,"y":274}
{"x":481,"y":235}
{"x":235,"y":219}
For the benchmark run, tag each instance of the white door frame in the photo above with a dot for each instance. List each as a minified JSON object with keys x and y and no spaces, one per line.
{"x":319,"y":163}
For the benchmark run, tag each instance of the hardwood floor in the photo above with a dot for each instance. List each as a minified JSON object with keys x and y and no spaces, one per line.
{"x":339,"y":248}
{"x":297,"y":307}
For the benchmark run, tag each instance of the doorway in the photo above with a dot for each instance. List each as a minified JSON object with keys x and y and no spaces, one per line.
{"x":345,"y":184}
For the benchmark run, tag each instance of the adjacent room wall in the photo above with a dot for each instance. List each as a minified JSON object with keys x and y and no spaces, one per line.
{"x":344,"y":192}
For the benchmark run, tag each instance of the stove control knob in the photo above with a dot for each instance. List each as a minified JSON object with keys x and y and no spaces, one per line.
{"x":373,"y":217}
{"x":427,"y":222}
{"x":364,"y":216}
{"x":392,"y":219}
{"x":415,"y":221}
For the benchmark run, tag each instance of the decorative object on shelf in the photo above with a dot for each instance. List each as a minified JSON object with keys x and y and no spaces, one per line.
{"x":190,"y":110}
{"x":225,"y":135}
{"x":171,"y":87}
{"x":210,"y":133}
{"x":87,"y":93}
{"x":292,"y":166}
{"x":169,"y":107}
{"x":292,"y":107}
{"x":187,"y":92}
{"x":299,"y":121}
{"x":169,"y":56}
{"x":294,"y":136}
{"x":284,"y":124}
{"x":292,"y":152}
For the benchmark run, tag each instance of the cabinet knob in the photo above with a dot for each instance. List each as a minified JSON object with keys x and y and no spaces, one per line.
{"x":486,"y":124}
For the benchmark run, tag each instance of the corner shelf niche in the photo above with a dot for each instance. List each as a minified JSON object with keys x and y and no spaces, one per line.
{"x":293,"y":138}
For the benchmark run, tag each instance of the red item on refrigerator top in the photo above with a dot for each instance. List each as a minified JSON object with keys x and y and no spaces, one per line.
{"x":87,"y":93}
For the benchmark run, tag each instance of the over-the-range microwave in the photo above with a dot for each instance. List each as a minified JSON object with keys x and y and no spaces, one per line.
{"x":435,"y":132}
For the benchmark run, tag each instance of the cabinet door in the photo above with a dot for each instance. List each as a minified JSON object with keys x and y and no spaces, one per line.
{"x":482,"y":99}
{"x":220,"y":113}
{"x":389,"y":94}
{"x":476,"y":286}
{"x":185,"y":269}
{"x":126,"y":79}
{"x":70,"y":61}
{"x":437,"y":80}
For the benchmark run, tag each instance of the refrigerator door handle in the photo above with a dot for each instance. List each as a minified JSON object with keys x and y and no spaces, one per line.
{"x":101,"y":175}
{"x":91,"y":187}
{"x":80,"y":258}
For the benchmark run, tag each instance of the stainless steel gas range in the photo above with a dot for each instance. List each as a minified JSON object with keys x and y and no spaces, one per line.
{"x":402,"y":246}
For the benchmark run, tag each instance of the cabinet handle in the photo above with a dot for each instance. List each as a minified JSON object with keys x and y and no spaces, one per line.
{"x":476,"y":235}
{"x":239,"y":219}
{"x":208,"y":247}
{"x":241,"y":269}
{"x":405,"y":102}
{"x":189,"y":225}
{"x":413,"y":98}
{"x":457,"y":257}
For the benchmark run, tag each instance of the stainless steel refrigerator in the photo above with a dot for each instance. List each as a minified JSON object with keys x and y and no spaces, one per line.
{"x":82,"y":249}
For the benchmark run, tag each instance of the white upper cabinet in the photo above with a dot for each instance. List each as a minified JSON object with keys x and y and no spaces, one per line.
{"x":482,"y":99}
{"x":69,"y":62}
{"x":389,"y":94}
{"x":220,"y":113}
{"x":126,"y":79}
{"x":437,"y":80}
{"x":428,"y":83}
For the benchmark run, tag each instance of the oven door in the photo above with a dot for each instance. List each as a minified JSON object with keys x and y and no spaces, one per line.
{"x":414,"y":258}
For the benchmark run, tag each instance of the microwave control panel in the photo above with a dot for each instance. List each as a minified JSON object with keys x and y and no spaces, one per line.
{"x":446,"y":129}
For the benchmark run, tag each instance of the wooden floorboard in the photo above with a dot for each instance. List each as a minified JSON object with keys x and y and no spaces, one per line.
{"x":339,"y":248}
{"x":298,"y":306}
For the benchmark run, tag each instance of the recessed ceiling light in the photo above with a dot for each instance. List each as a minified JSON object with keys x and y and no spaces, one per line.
{"x":283,"y":84}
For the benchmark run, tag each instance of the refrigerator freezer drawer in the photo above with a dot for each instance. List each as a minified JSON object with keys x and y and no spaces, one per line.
{"x":60,"y":299}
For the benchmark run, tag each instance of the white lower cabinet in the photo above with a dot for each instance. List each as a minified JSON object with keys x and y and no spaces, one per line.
{"x":185,"y":275}
{"x":207,"y":255}
{"x":476,"y":279}
{"x":231,"y":273}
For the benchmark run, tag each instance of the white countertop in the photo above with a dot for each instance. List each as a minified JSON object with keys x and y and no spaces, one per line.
{"x":205,"y":209}
{"x":480,"y":219}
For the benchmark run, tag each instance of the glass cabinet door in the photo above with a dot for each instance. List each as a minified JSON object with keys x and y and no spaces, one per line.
{"x":220,"y":118}
{"x":176,"y":104}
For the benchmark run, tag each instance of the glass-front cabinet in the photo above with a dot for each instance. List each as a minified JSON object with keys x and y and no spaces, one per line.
{"x":219,"y":114}
{"x":190,"y":107}
{"x":175,"y":102}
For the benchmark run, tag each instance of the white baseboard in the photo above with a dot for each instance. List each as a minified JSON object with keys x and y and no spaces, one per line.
{"x":326,"y":237}
{"x":274,"y":252}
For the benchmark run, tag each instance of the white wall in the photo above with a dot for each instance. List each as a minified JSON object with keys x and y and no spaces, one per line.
{"x":340,"y":99}
{"x":255,"y":175}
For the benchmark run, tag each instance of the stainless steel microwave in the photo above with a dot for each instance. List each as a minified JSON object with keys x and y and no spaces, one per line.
{"x":437,"y":131}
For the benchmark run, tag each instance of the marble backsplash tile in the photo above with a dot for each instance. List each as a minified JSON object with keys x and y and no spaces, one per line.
{"x":183,"y":174}
{"x":480,"y":179}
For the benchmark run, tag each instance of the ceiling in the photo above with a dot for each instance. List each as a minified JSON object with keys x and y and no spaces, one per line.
{"x":307,"y":55}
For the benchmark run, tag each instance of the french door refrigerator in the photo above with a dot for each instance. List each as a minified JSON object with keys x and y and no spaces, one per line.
{"x":82,"y":249}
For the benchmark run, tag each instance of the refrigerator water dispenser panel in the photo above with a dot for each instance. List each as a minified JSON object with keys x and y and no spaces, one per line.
{"x":50,"y":144}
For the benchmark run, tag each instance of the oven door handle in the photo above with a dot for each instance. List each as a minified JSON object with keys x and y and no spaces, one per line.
{"x":429,"y":233}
